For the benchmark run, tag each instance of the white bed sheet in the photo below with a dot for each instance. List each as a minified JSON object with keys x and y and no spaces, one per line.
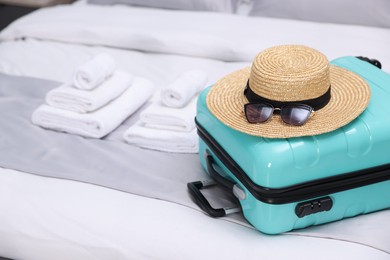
{"x":56,"y":61}
{"x":45,"y":218}
{"x":146,"y":32}
{"x":58,"y":219}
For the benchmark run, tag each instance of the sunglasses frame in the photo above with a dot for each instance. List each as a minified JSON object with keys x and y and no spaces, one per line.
{"x":279,"y":111}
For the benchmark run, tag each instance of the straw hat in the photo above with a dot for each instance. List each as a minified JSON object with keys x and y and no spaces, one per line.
{"x":290,"y":73}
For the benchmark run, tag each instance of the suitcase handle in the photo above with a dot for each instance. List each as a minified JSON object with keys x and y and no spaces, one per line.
{"x":215,"y":175}
{"x":374,"y":62}
{"x":195,"y":187}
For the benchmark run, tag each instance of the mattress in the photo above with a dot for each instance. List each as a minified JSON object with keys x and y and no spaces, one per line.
{"x":55,"y":218}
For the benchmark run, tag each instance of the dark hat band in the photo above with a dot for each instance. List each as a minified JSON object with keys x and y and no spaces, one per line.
{"x":315,"y":103}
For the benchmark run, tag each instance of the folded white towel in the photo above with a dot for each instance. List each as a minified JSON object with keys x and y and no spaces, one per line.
{"x":93,"y":72}
{"x":69,"y":98}
{"x":100,"y":122}
{"x":181,"y":91}
{"x":162,"y":140}
{"x":162,"y":117}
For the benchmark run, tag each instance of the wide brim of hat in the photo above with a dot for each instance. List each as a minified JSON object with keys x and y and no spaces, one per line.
{"x":350,"y":95}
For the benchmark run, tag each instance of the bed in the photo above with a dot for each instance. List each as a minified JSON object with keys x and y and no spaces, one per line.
{"x":51,"y":215}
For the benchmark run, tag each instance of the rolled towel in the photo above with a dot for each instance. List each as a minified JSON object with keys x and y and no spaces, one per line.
{"x":162,"y":140}
{"x":69,"y":98}
{"x":181,"y":91}
{"x":100,"y":122}
{"x":93,"y":72}
{"x":177,"y":119}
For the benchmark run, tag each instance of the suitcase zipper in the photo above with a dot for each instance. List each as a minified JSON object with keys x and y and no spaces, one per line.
{"x":298,"y":192}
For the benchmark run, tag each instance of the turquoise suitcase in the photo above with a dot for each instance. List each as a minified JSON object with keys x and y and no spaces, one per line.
{"x":286,"y":184}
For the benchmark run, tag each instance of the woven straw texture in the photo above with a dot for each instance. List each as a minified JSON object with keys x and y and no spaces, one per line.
{"x":295,"y":73}
{"x":290,"y":73}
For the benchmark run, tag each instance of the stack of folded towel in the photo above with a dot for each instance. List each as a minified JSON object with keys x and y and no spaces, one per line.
{"x":99,"y":99}
{"x":168,"y":124}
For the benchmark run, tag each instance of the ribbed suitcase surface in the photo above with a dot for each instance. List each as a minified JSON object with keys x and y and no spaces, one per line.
{"x":284,"y":184}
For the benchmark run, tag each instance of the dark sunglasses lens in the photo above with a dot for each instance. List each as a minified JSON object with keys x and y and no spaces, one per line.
{"x":296,"y":115}
{"x":258,"y":113}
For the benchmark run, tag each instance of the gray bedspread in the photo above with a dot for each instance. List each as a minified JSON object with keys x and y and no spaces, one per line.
{"x":111,"y":163}
{"x":108,"y":162}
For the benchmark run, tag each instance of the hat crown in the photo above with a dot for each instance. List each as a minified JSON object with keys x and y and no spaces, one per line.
{"x":290,"y":73}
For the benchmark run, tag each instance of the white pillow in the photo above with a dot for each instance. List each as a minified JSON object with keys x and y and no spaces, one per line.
{"x":226,"y":6}
{"x":360,"y":12}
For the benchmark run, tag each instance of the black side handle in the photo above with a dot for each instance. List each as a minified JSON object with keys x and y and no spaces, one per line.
{"x":374,"y":62}
{"x":195,"y":187}
{"x":215,"y":175}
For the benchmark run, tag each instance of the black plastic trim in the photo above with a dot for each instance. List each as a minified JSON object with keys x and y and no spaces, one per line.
{"x":298,"y":192}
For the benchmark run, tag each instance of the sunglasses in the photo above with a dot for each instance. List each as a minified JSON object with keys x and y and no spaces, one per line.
{"x":294,"y":114}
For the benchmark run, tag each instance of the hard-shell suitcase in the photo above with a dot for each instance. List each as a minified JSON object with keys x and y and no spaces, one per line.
{"x":286,"y":184}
